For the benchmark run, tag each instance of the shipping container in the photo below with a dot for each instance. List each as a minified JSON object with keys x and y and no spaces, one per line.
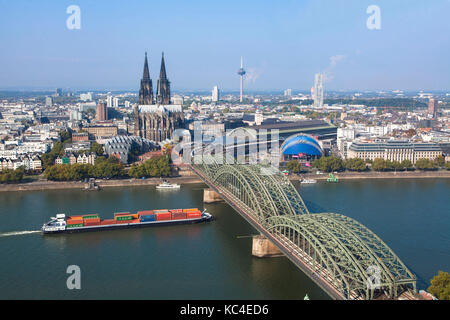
{"x":135,"y":221}
{"x":194,"y":215}
{"x":123,"y":218}
{"x":122,"y":221}
{"x":190,"y":210}
{"x":147,"y":218}
{"x":74,"y":225}
{"x":176,"y":210}
{"x":106,"y":222}
{"x":161,"y":211}
{"x":145,"y":212}
{"x":75,"y":217}
{"x":178,"y":216}
{"x":74,"y":221}
{"x":90,"y":224}
{"x":122,"y":214}
{"x":90,"y":216}
{"x":163,"y":216}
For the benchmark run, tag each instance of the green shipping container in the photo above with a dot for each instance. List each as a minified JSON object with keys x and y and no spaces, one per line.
{"x":121,"y":218}
{"x":92,"y":216}
{"x":74,"y":225}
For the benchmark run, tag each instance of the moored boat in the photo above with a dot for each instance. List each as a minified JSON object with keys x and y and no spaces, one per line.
{"x":308,"y":181}
{"x":167,"y":185}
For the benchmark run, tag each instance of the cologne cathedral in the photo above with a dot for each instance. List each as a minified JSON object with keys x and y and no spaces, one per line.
{"x":156,"y":118}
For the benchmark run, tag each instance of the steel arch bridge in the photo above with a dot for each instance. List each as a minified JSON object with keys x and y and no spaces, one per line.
{"x":341,"y":255}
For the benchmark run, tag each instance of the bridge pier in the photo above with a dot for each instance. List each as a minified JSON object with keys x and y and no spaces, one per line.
{"x":210,"y":196}
{"x":263,"y":248}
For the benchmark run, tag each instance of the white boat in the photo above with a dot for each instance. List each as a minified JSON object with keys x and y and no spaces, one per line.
{"x":308,"y":181}
{"x":168,"y":185}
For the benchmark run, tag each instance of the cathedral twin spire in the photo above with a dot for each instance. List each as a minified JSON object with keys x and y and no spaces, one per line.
{"x":163,"y":86}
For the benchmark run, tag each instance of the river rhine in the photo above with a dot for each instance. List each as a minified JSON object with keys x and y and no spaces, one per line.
{"x":203,"y":261}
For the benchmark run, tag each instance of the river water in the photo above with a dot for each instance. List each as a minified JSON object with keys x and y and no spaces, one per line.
{"x":203,"y":261}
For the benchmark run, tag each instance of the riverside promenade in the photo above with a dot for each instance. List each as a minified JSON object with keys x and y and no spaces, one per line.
{"x":188,"y":177}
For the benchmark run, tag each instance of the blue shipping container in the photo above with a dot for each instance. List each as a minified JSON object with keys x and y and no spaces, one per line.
{"x":150,"y":217}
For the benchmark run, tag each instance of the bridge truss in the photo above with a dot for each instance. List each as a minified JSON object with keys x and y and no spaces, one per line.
{"x":352,"y":259}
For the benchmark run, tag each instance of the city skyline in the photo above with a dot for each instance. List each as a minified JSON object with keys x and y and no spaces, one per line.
{"x":284,"y":45}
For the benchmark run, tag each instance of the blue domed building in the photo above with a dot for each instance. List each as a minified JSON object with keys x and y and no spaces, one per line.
{"x":301,"y":146}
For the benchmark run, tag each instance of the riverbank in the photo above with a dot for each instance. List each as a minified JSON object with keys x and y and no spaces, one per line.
{"x":378,"y":175}
{"x":188,"y":178}
{"x":54,"y":185}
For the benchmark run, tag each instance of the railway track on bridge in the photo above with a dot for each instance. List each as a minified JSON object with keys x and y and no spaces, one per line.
{"x":336,"y":252}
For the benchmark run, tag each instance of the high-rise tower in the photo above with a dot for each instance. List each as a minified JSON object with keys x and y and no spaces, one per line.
{"x":215,"y":97}
{"x":241,"y":73}
{"x":163,"y":89}
{"x":432,"y":107}
{"x":318,"y":90}
{"x":146,"y":90}
{"x":102,"y":111}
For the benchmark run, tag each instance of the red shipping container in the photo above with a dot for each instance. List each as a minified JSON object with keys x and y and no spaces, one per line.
{"x":176,"y":211}
{"x":106,"y":222}
{"x":123,"y":221}
{"x":177,"y":216}
{"x":145,"y":212}
{"x":194,"y":215}
{"x":74,"y":221}
{"x":122,"y":214}
{"x":163,"y":216}
{"x":89,"y":224}
{"x":135,"y":221}
{"x":91,"y":220}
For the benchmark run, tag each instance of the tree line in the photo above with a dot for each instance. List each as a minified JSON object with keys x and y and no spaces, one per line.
{"x":332,"y":164}
{"x":155,"y":167}
{"x":103,"y":168}
{"x":9,"y":175}
{"x":108,"y":168}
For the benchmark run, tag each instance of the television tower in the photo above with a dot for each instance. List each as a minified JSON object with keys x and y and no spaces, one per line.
{"x":241,"y":73}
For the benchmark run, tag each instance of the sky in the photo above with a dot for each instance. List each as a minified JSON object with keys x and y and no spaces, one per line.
{"x":283,"y":44}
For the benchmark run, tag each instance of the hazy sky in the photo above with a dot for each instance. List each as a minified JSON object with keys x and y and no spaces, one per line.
{"x":284,"y":43}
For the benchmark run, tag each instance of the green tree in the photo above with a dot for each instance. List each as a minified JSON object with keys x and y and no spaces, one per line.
{"x":97,"y":148}
{"x":355,"y":164}
{"x":440,"y":161}
{"x":440,"y":286}
{"x":8,"y":175}
{"x":136,"y":171}
{"x":397,"y":166}
{"x":407,"y":164}
{"x":425,"y":164}
{"x":379,"y":164}
{"x":329,"y":164}
{"x":294,"y":166}
{"x":49,"y":158}
{"x":154,"y":167}
{"x":65,"y":136}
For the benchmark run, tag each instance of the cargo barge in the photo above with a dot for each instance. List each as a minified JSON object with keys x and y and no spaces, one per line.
{"x":124,"y":220}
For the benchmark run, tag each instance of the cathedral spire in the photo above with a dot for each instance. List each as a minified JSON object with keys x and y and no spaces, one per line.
{"x":146,"y":90}
{"x":162,"y":73}
{"x":163,"y":89}
{"x":146,"y":74}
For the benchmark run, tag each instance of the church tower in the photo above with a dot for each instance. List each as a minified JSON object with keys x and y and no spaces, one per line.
{"x":163,"y":89}
{"x":146,"y":90}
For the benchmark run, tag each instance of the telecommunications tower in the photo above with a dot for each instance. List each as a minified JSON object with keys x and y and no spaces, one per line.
{"x":241,"y":73}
